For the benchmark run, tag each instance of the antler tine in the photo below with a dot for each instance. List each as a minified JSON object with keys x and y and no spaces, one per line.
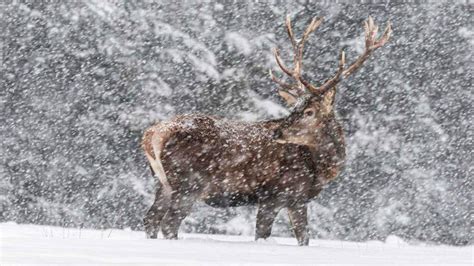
{"x":331,"y":82}
{"x":283,"y":85}
{"x":289,"y":30}
{"x":371,"y":44}
{"x":385,"y":37}
{"x":298,"y":46}
{"x":315,"y":23}
{"x":276,"y":53}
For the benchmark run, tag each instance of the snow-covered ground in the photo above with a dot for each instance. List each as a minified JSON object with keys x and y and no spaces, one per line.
{"x":56,"y":245}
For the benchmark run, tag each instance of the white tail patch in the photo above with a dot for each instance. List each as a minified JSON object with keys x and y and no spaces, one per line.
{"x":157,"y":143}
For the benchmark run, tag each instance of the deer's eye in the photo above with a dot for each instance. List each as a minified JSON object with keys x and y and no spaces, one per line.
{"x":309,"y":112}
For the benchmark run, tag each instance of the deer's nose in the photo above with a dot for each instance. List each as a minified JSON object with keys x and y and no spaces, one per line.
{"x":277,"y":134}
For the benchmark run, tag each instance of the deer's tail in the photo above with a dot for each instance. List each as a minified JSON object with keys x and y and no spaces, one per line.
{"x":153,"y":143}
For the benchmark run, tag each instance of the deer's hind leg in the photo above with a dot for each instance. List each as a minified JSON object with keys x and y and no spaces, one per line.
{"x":155,"y":214}
{"x":180,"y":207}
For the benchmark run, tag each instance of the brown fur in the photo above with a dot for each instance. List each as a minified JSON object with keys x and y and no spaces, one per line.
{"x":274,"y":164}
{"x":226,"y":163}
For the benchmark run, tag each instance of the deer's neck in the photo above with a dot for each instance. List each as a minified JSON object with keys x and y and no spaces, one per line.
{"x":329,"y":152}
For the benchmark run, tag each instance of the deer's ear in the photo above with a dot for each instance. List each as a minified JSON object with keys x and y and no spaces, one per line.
{"x":289,"y":98}
{"x":328,"y":100}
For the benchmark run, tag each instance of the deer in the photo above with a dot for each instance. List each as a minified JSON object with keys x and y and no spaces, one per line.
{"x":274,"y":164}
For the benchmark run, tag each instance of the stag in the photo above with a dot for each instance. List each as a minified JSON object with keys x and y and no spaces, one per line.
{"x":276,"y":164}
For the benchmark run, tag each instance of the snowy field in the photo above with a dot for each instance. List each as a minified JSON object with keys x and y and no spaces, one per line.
{"x":33,"y":244}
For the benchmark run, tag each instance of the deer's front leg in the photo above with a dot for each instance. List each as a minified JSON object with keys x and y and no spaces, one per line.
{"x":267,"y":211}
{"x":299,"y":221}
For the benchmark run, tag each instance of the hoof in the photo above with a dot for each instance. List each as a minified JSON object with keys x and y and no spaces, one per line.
{"x":151,"y":236}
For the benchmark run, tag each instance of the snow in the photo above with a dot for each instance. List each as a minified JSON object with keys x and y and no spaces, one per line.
{"x":33,"y":244}
{"x":234,"y":39}
{"x":82,"y":80}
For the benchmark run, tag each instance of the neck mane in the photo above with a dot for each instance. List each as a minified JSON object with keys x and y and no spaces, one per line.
{"x":329,"y":153}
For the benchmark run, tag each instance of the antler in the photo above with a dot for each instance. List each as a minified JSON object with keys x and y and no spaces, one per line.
{"x":371,"y":44}
{"x":298,"y":46}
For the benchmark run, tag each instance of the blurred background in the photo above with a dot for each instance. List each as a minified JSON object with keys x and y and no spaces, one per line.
{"x":81,"y":80}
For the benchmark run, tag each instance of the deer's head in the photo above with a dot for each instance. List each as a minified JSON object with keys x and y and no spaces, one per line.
{"x":312,"y":107}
